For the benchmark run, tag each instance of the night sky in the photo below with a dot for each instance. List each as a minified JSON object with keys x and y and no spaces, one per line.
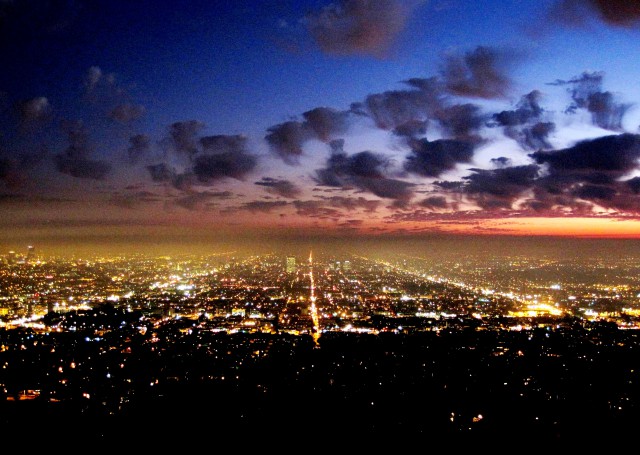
{"x":346,"y":118}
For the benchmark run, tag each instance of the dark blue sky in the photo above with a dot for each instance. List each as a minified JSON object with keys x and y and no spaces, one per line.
{"x":358,"y":116}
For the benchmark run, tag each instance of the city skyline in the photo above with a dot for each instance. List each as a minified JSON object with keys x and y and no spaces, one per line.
{"x":200,"y":122}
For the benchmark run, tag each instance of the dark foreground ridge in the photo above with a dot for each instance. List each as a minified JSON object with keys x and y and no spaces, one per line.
{"x":565,"y":384}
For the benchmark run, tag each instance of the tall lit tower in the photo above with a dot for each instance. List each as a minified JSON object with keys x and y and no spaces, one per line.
{"x":291,"y":264}
{"x":313,"y":310}
{"x":31,"y":253}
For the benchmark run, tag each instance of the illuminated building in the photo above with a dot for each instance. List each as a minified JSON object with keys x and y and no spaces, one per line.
{"x":31,"y":254}
{"x":291,"y":264}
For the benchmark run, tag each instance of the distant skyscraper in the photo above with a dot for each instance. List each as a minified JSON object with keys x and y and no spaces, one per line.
{"x":31,"y":253}
{"x":291,"y":264}
{"x":346,"y":265}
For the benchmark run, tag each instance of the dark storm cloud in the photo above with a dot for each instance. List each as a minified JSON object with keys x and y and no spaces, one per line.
{"x":201,"y":200}
{"x":454,"y":186}
{"x":126,"y":113}
{"x":412,"y":128}
{"x":161,"y":172}
{"x":83,"y":168}
{"x":140,"y":146}
{"x":408,"y":113}
{"x":480,"y":73}
{"x":223,"y":156}
{"x":316,"y":209}
{"x":460,"y":120}
{"x":264,"y":206}
{"x":286,"y":139}
{"x":501,"y":161}
{"x":352,"y":203}
{"x":182,"y":136}
{"x":594,"y":192}
{"x":528,"y":108}
{"x":634,"y":184}
{"x":278,"y":187}
{"x":75,"y":160}
{"x":524,"y":124}
{"x":620,"y":13}
{"x":586,"y":93}
{"x":434,"y":202}
{"x":396,"y":108}
{"x":606,"y":111}
{"x":367,"y":27}
{"x":364,"y":170}
{"x":616,"y":154}
{"x":537,"y":136}
{"x":588,"y":173}
{"x":499,"y":188}
{"x":432,"y":158}
{"x":326,"y":122}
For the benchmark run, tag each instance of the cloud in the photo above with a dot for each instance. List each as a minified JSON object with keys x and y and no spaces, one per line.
{"x":316,"y":209}
{"x":326,"y":122}
{"x":161,"y":172}
{"x":364,"y":170}
{"x":282,"y":188}
{"x":501,"y":161}
{"x":95,"y":79}
{"x":83,"y":168}
{"x":408,"y":113}
{"x":412,"y":128}
{"x":201,"y":200}
{"x":528,"y":108}
{"x":214,"y":158}
{"x":634,"y":184}
{"x":537,"y":136}
{"x":352,"y":203}
{"x":434,"y":202}
{"x":499,"y":188}
{"x":223,"y":156}
{"x":182,"y":137}
{"x":460,"y":121}
{"x":614,"y":154}
{"x":75,"y":160}
{"x":432,"y":158}
{"x":395,"y":109}
{"x":264,"y":206}
{"x":126,"y":113}
{"x":586,"y":93}
{"x":524,"y":124}
{"x":480,"y":73}
{"x":286,"y":139}
{"x":589,"y":173}
{"x":140,"y":146}
{"x":360,"y":27}
{"x":34,"y":111}
{"x":619,"y":13}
